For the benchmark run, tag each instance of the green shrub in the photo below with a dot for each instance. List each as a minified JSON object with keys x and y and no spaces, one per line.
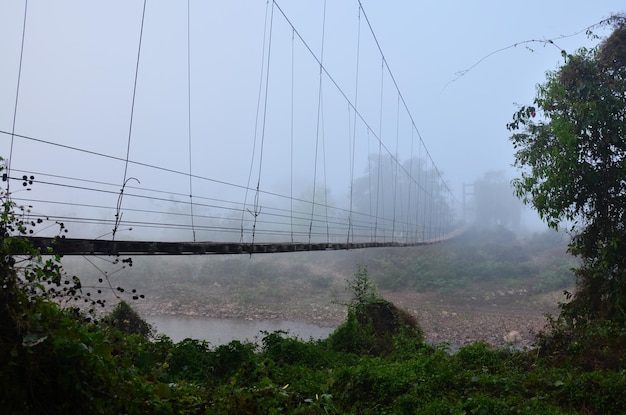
{"x":591,"y":345}
{"x":228,"y":358}
{"x":126,"y":320}
{"x":283,"y":349}
{"x":481,"y":356}
{"x":374,"y":326}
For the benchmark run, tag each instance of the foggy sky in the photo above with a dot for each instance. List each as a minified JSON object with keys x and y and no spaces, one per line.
{"x":79,"y":65}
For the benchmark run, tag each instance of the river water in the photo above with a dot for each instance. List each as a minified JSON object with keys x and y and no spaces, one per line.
{"x":222,"y":331}
{"x":218,"y":331}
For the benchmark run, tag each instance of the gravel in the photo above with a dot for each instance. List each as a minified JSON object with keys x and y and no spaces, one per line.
{"x":456,"y":319}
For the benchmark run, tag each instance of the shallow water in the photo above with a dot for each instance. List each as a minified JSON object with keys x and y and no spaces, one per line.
{"x":222,"y":331}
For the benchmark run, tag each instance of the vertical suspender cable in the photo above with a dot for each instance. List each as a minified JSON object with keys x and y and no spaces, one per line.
{"x":293,"y":35}
{"x":319,"y":120}
{"x":410,"y":184}
{"x":418,"y":207}
{"x":17,"y":96}
{"x":380,"y":161}
{"x":353,"y":138}
{"x":351,"y":134}
{"x":441,"y":202}
{"x":193,"y":228}
{"x":440,"y":217}
{"x":324,"y":172}
{"x":256,"y":122}
{"x":438,"y":206}
{"x":369,"y":183}
{"x":351,"y":158}
{"x":430,"y":202}
{"x":118,"y":213}
{"x":378,"y":184}
{"x":257,"y":208}
{"x":395,"y":173}
{"x":324,"y":138}
{"x":436,"y":170}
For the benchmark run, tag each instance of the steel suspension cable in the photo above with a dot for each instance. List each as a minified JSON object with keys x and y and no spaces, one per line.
{"x":118,"y":212}
{"x":17,"y":97}
{"x":398,"y":89}
{"x":291,"y":129}
{"x":256,"y":119}
{"x":395,"y":172}
{"x":193,"y":229}
{"x":338,"y":88}
{"x":353,"y":137}
{"x":319,"y":120}
{"x":380,"y":161}
{"x":257,"y":208}
{"x":410,"y":187}
{"x":324,"y":173}
{"x":419,"y":178}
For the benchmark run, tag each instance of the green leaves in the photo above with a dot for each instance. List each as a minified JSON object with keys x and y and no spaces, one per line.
{"x":573,"y":161}
{"x":362,"y":288}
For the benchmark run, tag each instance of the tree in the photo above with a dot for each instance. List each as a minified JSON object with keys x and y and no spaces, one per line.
{"x":495,"y":202}
{"x":403,"y":200}
{"x":571,"y":149}
{"x":128,"y":321}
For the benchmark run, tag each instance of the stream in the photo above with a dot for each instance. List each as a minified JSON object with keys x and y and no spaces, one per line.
{"x":219,"y":331}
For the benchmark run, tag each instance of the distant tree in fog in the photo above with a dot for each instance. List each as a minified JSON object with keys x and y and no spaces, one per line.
{"x":495,"y":202}
{"x":407,"y":199}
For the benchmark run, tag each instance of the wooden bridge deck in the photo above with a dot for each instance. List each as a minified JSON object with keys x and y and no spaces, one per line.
{"x":70,"y":246}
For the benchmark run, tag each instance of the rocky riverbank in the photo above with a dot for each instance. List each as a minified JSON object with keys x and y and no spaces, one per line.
{"x":449,"y":318}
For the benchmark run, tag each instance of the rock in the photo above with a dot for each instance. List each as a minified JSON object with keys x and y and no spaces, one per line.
{"x":513,"y":337}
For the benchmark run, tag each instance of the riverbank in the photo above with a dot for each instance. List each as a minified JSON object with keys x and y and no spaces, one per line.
{"x":445,"y":318}
{"x":461,"y":292}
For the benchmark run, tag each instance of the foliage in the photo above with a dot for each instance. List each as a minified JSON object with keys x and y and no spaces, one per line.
{"x":53,"y":357}
{"x":126,"y":320}
{"x":196,"y":361}
{"x":480,"y":260}
{"x":55,"y":360}
{"x":374,"y":325}
{"x":573,"y":162}
{"x":22,"y":267}
{"x":592,"y":345}
{"x":362,"y":289}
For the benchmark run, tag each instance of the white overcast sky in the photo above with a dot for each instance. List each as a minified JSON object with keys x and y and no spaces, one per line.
{"x":79,"y":65}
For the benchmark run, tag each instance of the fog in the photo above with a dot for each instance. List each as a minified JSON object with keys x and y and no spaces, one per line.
{"x":233,"y":94}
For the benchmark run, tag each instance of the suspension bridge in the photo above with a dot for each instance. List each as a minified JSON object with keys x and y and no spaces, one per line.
{"x":181,"y":129}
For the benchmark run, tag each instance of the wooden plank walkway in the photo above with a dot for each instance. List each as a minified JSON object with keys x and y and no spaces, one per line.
{"x":70,"y":246}
{"x":73,"y":246}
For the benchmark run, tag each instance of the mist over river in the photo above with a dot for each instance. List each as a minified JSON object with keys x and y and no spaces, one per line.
{"x":218,"y":331}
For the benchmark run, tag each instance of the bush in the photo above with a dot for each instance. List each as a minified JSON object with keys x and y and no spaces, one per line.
{"x":290,"y":350}
{"x":126,"y":320}
{"x":591,"y":345}
{"x":373,"y":324}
